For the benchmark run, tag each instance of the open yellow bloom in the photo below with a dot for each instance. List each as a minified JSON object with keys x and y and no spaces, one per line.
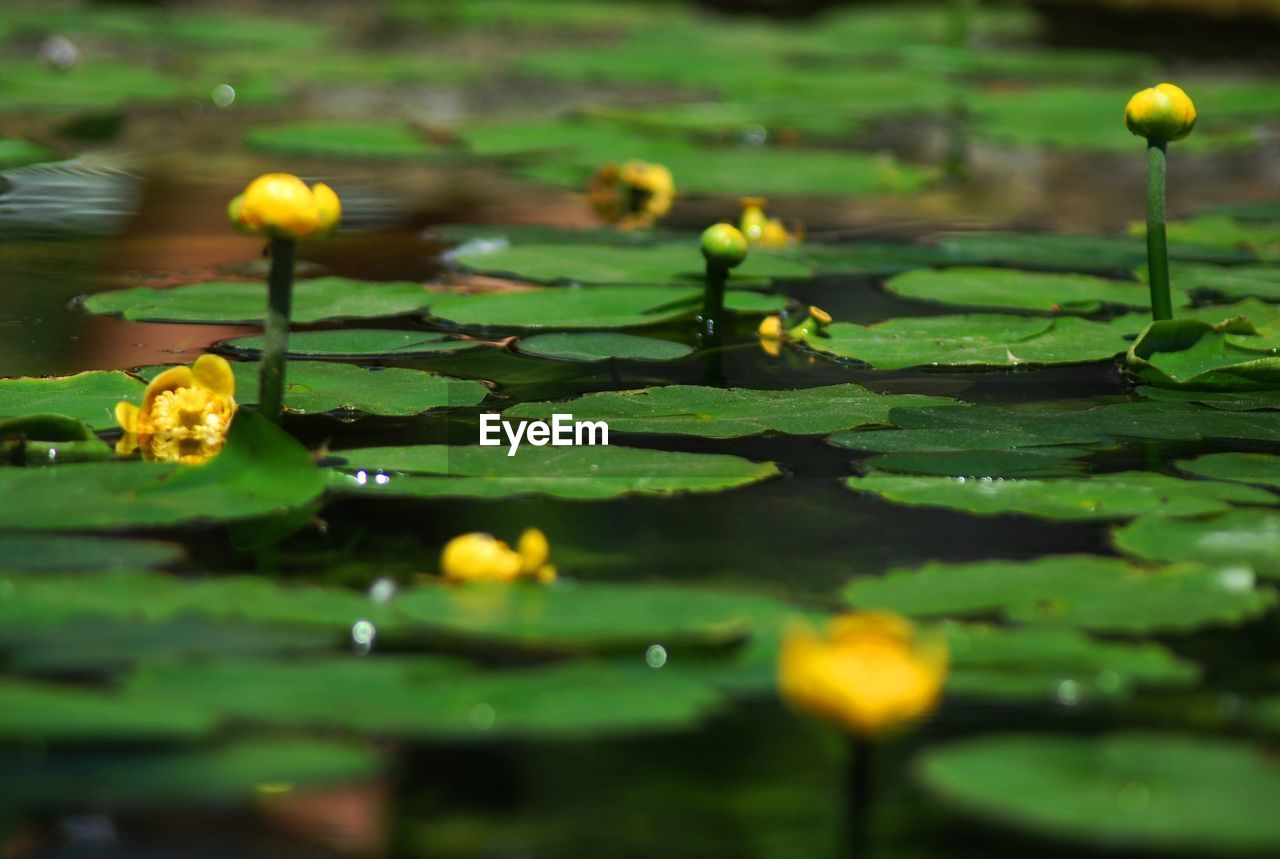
{"x":185,"y":413}
{"x":761,"y":230}
{"x":632,"y":195}
{"x":1163,"y":113}
{"x":478,"y":557}
{"x":281,"y":205}
{"x":867,"y":673}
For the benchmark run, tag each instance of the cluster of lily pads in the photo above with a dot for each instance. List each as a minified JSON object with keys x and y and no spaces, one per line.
{"x":107,"y":642}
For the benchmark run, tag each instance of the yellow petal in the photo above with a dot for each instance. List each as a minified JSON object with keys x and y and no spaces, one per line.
{"x":479,"y":557}
{"x":534,"y":550}
{"x":213,"y":373}
{"x":169,"y":380}
{"x":329,"y":206}
{"x":127,"y":417}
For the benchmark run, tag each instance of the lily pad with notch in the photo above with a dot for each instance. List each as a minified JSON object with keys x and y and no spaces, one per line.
{"x":584,"y":472}
{"x":731,"y":412}
{"x":1190,"y":353}
{"x":1086,"y":591}
{"x":321,"y":299}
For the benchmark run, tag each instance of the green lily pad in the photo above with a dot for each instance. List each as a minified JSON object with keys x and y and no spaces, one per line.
{"x":442,"y":471}
{"x":236,"y":773}
{"x":39,"y":606}
{"x":870,"y":258}
{"x":424,"y":698}
{"x":320,"y":387}
{"x":48,"y":713}
{"x":1086,"y":591}
{"x":260,"y":471}
{"x":44,"y":439}
{"x":1260,"y":240}
{"x":1103,"y":497}
{"x":356,"y":343}
{"x":976,"y":463}
{"x":677,"y":262}
{"x":1132,"y":790}
{"x":731,"y":412}
{"x":1189,"y":353}
{"x":1055,"y":664}
{"x":1075,"y":253}
{"x":1005,"y":289}
{"x":601,"y":346}
{"x":1259,"y":469}
{"x":321,"y":299}
{"x":978,"y":340}
{"x":27,"y":86}
{"x":1247,"y":537}
{"x":591,"y":616}
{"x":590,"y":307}
{"x":1226,"y":281}
{"x":368,"y":141}
{"x":69,"y":553}
{"x":90,"y":396}
{"x":15,"y":152}
{"x":1228,"y":401}
{"x":1258,"y":210}
{"x":1054,"y":432}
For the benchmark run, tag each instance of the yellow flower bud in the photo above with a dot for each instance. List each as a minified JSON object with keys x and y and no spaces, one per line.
{"x":534,"y":551}
{"x":867,"y":673}
{"x":753,"y":219}
{"x":1163,"y":113}
{"x":281,"y":205}
{"x":479,"y":557}
{"x":724,"y":245}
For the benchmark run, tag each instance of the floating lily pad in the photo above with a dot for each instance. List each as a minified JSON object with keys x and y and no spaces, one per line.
{"x":371,"y":141}
{"x":1086,"y":591}
{"x":322,"y":299}
{"x":49,"y":713}
{"x":1101,"y":497}
{"x":978,"y":340}
{"x":602,"y":346}
{"x":90,"y":396}
{"x":590,"y":307}
{"x":1056,"y":432}
{"x":1188,"y":353}
{"x":319,"y":387}
{"x":1258,"y":210}
{"x":1226,"y":281}
{"x":260,"y":471}
{"x":677,"y":262}
{"x":1248,"y":538}
{"x":1055,"y":664}
{"x":586,"y":472}
{"x":1260,"y":469}
{"x":35,"y":553}
{"x":425,"y":698}
{"x":357,"y":343}
{"x":859,"y":257}
{"x":1133,"y":790}
{"x":1259,"y":240}
{"x":596,"y":616}
{"x":1005,"y":289}
{"x":731,"y":412}
{"x":234,"y":773}
{"x":1075,"y":253}
{"x":98,"y":85}
{"x":976,"y":463}
{"x":1229,"y":401}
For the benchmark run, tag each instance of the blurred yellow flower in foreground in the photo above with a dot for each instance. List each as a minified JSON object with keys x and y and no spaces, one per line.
{"x":761,"y":230}
{"x":282,"y":206}
{"x":185,"y":413}
{"x":867,"y":673}
{"x":632,"y":195}
{"x":1163,"y":113}
{"x":479,"y":557}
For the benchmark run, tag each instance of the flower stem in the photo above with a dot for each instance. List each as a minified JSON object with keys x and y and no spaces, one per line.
{"x":1157,"y":243}
{"x":276,"y":333}
{"x":859,"y":797}
{"x":713,"y":305}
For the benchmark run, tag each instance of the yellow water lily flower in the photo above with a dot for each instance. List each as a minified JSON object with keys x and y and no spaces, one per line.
{"x":185,"y":413}
{"x":282,"y":206}
{"x":632,"y":195}
{"x":1162,"y":112}
{"x":761,"y":230}
{"x":479,"y":557}
{"x":815,"y":320}
{"x":866,"y":673}
{"x":771,"y":335}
